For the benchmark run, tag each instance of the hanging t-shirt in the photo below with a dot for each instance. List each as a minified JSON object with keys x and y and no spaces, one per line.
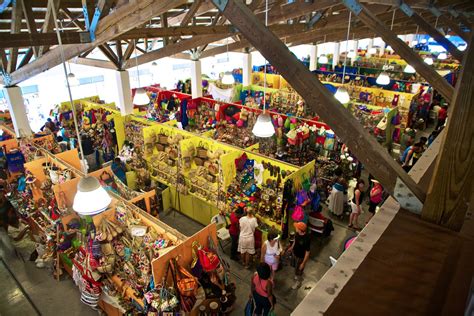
{"x":247,"y":226}
{"x":15,"y":161}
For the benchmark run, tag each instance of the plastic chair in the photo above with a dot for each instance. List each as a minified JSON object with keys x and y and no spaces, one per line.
{"x":315,"y":224}
{"x":222,"y":232}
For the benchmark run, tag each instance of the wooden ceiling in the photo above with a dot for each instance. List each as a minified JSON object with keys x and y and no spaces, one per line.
{"x":158,"y":29}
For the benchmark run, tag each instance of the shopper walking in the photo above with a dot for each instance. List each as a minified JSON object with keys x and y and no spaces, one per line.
{"x":89,"y":152}
{"x":336,"y":198}
{"x":234,"y":230}
{"x":301,"y":250}
{"x":407,"y":156}
{"x":262,"y":290}
{"x":442,"y":116}
{"x":356,"y":204}
{"x":271,"y":251}
{"x":246,"y":248}
{"x":376,"y":196}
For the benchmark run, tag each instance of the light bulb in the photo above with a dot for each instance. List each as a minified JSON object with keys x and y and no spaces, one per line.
{"x":342,"y":95}
{"x":263,"y":126}
{"x":409,"y":69}
{"x":73,"y":81}
{"x":428,"y":60}
{"x":91,"y":198}
{"x":442,"y":56}
{"x":323,"y":59}
{"x":141,"y":98}
{"x":228,"y":78}
{"x":383,"y":79}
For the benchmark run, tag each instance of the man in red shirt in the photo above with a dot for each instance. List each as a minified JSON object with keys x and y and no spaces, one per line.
{"x":442,"y":115}
{"x":234,"y":231}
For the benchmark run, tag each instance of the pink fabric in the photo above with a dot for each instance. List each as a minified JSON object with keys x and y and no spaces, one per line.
{"x":260,"y":285}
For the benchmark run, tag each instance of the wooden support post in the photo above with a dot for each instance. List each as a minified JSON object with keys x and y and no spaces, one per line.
{"x":450,"y":194}
{"x":402,"y":49}
{"x":432,"y":31}
{"x":375,"y":158}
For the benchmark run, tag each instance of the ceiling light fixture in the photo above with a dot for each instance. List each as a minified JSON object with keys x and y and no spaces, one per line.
{"x":409,"y":69}
{"x":429,"y":60}
{"x":341,"y":94}
{"x":383,"y":79}
{"x":228,"y":78}
{"x":91,"y":198}
{"x":264,"y":126}
{"x":141,"y":97}
{"x":442,"y":56}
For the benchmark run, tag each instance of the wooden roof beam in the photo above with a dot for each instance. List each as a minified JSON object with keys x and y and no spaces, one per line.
{"x":451,"y":194}
{"x":30,"y":21}
{"x":402,"y":49}
{"x":94,"y":63}
{"x":15,"y":28}
{"x":48,"y":23}
{"x":123,"y":19}
{"x":43,"y":39}
{"x":318,"y":98}
{"x":432,"y":31}
{"x":454,"y":26}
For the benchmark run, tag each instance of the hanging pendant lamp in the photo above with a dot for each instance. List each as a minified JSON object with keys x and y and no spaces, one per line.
{"x":323,"y":59}
{"x":442,"y":56}
{"x":73,"y":81}
{"x":383,"y":79}
{"x":264,"y":126}
{"x":228,"y":78}
{"x":409,"y":69}
{"x":91,"y":198}
{"x":342,"y":95}
{"x":429,"y":60}
{"x":141,"y":97}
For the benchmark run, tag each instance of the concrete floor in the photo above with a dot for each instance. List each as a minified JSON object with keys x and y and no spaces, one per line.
{"x":51,"y":297}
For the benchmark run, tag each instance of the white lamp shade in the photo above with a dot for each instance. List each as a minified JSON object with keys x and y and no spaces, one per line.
{"x":263,"y":126}
{"x":462,"y":47}
{"x":72,"y":79}
{"x":323,"y":59}
{"x":342,"y":95}
{"x":372,"y":51}
{"x":442,"y":56}
{"x":409,"y":69}
{"x":429,"y":60}
{"x":351,"y":54}
{"x":91,"y":198}
{"x":228,"y":78}
{"x":141,"y":98}
{"x":383,"y":79}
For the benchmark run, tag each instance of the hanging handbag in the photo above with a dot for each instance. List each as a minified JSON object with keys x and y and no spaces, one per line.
{"x":185,"y":281}
{"x":382,"y":125}
{"x":208,"y":259}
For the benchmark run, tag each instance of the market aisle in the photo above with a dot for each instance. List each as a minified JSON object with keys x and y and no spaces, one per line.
{"x":48,"y":295}
{"x":287,"y":299}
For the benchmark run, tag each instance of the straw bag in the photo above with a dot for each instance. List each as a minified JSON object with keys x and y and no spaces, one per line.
{"x":163,"y":139}
{"x":201,"y":151}
{"x":185,"y":281}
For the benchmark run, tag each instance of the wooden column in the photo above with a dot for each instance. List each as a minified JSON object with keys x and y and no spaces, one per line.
{"x":433,"y":32}
{"x":375,"y":158}
{"x":450,"y":194}
{"x":402,"y":49}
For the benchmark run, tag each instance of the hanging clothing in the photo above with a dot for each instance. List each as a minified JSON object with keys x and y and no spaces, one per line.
{"x":15,"y":161}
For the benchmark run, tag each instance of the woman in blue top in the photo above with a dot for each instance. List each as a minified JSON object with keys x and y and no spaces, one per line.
{"x":118,"y":168}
